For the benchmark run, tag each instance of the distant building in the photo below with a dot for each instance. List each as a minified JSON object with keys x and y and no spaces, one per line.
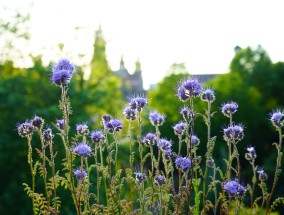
{"x":132,"y":84}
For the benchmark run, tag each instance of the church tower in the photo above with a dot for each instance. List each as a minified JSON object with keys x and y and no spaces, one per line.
{"x":99,"y":64}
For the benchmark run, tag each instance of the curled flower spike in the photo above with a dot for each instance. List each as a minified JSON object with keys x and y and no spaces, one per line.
{"x":25,"y":129}
{"x":194,"y":140}
{"x":83,"y":150}
{"x":47,"y":135}
{"x":37,"y":122}
{"x":60,"y":123}
{"x":156,"y":118}
{"x":138,"y":103}
{"x":129,"y":113}
{"x":262,"y":175}
{"x":276,"y":118}
{"x":149,"y":139}
{"x":179,"y":128}
{"x":160,"y":180}
{"x":82,"y":129}
{"x":234,"y":188}
{"x":80,"y":174}
{"x":183,"y":163}
{"x":251,"y":154}
{"x":229,"y":108}
{"x":97,"y":137}
{"x":207,"y":95}
{"x":164,"y":144}
{"x":113,"y":125}
{"x":234,"y":133}
{"x":140,"y":177}
{"x":188,"y":89}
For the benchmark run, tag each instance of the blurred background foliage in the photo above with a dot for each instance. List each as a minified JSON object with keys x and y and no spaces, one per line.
{"x":253,"y":81}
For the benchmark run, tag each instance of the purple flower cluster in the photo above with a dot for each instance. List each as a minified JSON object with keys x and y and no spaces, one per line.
{"x":160,"y":180}
{"x":138,"y":103}
{"x":129,"y":113}
{"x":207,"y":95}
{"x":262,"y":175}
{"x":25,"y":129}
{"x":229,"y":108}
{"x":164,"y":144}
{"x":83,"y":150}
{"x":140,"y":177}
{"x":82,"y":129}
{"x":194,"y":140}
{"x":189,"y":88}
{"x":47,"y":135}
{"x":149,"y":139}
{"x":251,"y":153}
{"x":37,"y":122}
{"x":156,"y":118}
{"x":179,"y":128}
{"x":234,"y":188}
{"x":185,"y":112}
{"x":113,"y":125}
{"x":60,"y":123}
{"x":80,"y":174}
{"x":183,"y":163}
{"x":62,"y":73}
{"x":234,"y":133}
{"x":276,"y":118}
{"x":97,"y":137}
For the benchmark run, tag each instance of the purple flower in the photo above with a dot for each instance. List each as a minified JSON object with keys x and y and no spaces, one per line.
{"x":178,"y":162}
{"x":262,"y":175}
{"x":129,"y":113}
{"x":106,"y":118}
{"x":207,"y":95}
{"x":37,"y":122}
{"x":183,"y":163}
{"x":97,"y":136}
{"x":194,"y":140}
{"x":185,"y":112}
{"x":138,"y":103}
{"x":234,"y":133}
{"x":156,"y":118}
{"x":179,"y":128}
{"x":113,"y":125}
{"x":25,"y":129}
{"x":64,"y":64}
{"x":47,"y":135}
{"x":275,"y":118}
{"x":164,"y":144}
{"x":160,"y":180}
{"x":167,"y":154}
{"x":60,"y":123}
{"x":188,"y":89}
{"x":229,"y":108}
{"x":149,"y":139}
{"x":80,"y":174}
{"x":83,"y":150}
{"x":82,"y":129}
{"x":234,"y":188}
{"x":140,"y":177}
{"x":251,"y":154}
{"x":62,"y":73}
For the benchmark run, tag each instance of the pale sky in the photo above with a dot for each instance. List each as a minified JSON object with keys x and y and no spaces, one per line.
{"x":202,"y":34}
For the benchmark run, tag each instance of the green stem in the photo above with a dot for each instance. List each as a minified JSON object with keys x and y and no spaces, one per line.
{"x":30,"y":161}
{"x":53,"y":174}
{"x":277,"y":169}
